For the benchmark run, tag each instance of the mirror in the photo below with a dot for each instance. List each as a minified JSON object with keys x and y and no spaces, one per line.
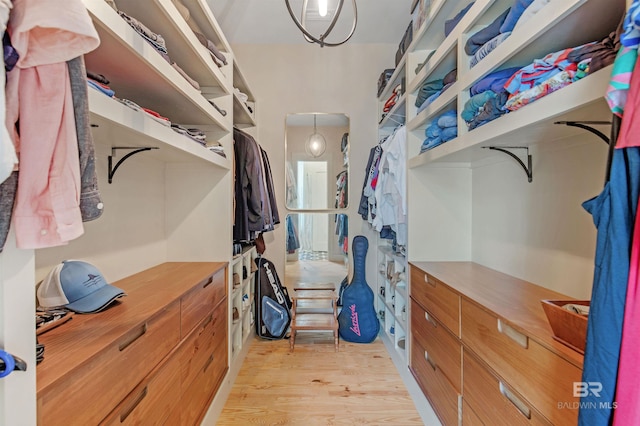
{"x":317,"y":161}
{"x":317,"y":248}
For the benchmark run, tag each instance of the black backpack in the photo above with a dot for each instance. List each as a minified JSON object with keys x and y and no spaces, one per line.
{"x":273,"y":304}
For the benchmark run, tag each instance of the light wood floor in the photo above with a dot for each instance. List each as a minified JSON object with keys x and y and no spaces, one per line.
{"x":314,"y":385}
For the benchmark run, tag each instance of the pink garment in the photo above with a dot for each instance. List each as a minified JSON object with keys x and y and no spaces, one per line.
{"x":47,"y":210}
{"x":51,"y":31}
{"x":627,"y":388}
{"x":46,"y":34}
{"x":630,"y":127}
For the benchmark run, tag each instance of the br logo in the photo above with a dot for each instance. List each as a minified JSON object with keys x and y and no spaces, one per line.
{"x":583,"y":389}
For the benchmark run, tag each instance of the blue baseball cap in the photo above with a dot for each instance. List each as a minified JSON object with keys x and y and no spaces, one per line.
{"x":78,"y":286}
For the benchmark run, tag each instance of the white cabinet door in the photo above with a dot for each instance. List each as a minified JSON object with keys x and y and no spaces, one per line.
{"x":17,"y":334}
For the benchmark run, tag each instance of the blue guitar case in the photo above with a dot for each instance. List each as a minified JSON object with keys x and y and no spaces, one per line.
{"x":357,"y":320}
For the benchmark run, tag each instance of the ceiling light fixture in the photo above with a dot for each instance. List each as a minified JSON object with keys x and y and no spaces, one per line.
{"x":322,"y":8}
{"x":316,"y":144}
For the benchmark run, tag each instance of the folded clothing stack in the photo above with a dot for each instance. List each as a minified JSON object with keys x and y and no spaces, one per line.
{"x":442,"y":129}
{"x":431,"y":90}
{"x":488,"y":97}
{"x":393,"y":99}
{"x":194,"y":134}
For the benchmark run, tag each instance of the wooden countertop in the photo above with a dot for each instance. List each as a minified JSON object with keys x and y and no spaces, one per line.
{"x":74,"y":343}
{"x":515,"y":300}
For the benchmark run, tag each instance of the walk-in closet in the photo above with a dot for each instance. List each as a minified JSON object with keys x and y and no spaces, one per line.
{"x":319,"y":212}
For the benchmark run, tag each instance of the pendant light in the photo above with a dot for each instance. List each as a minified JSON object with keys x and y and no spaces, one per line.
{"x":322,"y":8}
{"x":316,"y":144}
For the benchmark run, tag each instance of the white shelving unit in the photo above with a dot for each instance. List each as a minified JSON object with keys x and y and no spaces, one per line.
{"x":392,"y":297}
{"x":242,"y":298}
{"x":456,"y":190}
{"x":149,"y":218}
{"x":391,"y":294}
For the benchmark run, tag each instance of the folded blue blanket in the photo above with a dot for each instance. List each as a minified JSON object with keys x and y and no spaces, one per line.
{"x":494,"y":81}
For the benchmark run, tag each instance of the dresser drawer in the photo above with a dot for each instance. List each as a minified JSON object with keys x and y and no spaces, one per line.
{"x":442,"y":348}
{"x":197,"y":347}
{"x":437,"y":298}
{"x":106,"y":379}
{"x":541,"y":376}
{"x":469,"y":417}
{"x":441,"y":394}
{"x":201,"y":300}
{"x":492,"y":401}
{"x":197,"y":395}
{"x":153,"y":401}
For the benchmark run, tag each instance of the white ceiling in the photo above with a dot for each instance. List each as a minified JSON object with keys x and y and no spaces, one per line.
{"x":268,"y":21}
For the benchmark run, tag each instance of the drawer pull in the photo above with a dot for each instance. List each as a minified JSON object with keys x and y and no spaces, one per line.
{"x":430,"y":361}
{"x":208,"y":363}
{"x":207,"y":321}
{"x":133,"y":338}
{"x":517,"y":402}
{"x":208,"y":283}
{"x":136,"y":402}
{"x":429,"y":280}
{"x":513,"y":334}
{"x":429,"y":320}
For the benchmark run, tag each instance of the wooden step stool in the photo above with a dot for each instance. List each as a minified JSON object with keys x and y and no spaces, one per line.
{"x":314,"y":321}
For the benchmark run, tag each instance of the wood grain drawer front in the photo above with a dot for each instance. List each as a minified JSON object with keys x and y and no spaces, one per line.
{"x":437,"y":298}
{"x":198,"y":346}
{"x":441,"y":394}
{"x":201,"y":300}
{"x":541,"y":376}
{"x":469,"y":417}
{"x":493,"y":401}
{"x":104,"y":381}
{"x":442,"y":348}
{"x":197,"y":395}
{"x":153,"y":401}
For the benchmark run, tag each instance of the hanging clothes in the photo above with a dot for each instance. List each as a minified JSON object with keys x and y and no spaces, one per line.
{"x":40,"y":101}
{"x":627,"y":391}
{"x":613,"y":211}
{"x":293,"y":241}
{"x":367,"y":198}
{"x":391,"y":204}
{"x":342,"y":196}
{"x":342,"y":231}
{"x":256,"y":210}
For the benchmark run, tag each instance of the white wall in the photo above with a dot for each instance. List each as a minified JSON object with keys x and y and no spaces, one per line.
{"x":130,"y":234}
{"x":306,"y":78}
{"x":539,"y":231}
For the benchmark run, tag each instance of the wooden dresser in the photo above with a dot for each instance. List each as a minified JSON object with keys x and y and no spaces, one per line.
{"x":156,"y":357}
{"x":482,"y":349}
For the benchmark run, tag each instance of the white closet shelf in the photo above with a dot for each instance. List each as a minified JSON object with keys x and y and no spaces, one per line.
{"x":388,"y":252}
{"x":242,"y":117}
{"x":529,"y":125}
{"x":203,"y":18}
{"x":394,"y":80}
{"x":446,"y":101}
{"x":183,"y":46}
{"x":119,"y":125}
{"x":396,"y":115}
{"x":546,"y":32}
{"x":431,"y":34}
{"x":240,"y":82}
{"x":443,"y":60}
{"x":139,"y":73}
